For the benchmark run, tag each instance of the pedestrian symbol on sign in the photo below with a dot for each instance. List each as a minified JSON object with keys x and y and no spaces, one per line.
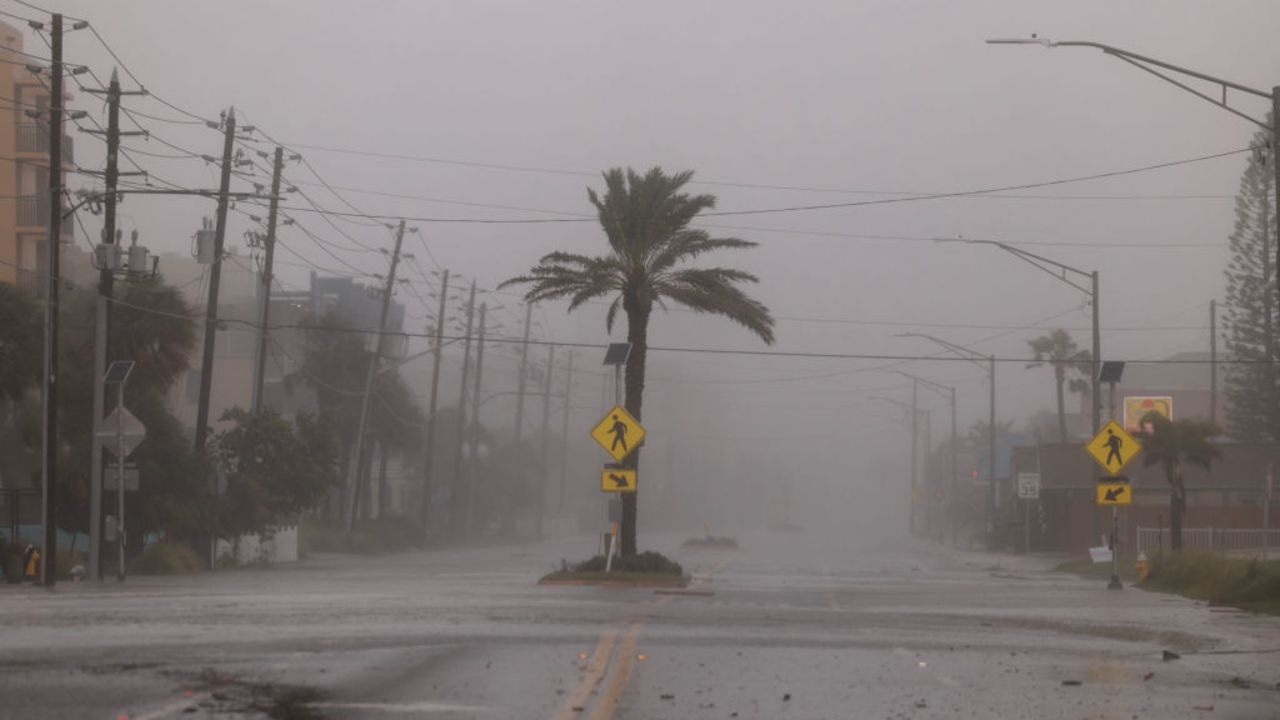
{"x":619,"y":432}
{"x":1114,"y":444}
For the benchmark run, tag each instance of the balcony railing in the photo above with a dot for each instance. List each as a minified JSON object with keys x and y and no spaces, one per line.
{"x":33,"y":211}
{"x":34,"y":138}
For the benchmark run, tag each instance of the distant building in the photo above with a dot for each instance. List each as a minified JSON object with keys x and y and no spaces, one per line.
{"x":24,"y":167}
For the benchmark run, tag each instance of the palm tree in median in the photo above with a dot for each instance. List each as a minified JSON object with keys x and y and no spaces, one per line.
{"x":1171,"y":443}
{"x":646,"y":223}
{"x":1060,"y":350}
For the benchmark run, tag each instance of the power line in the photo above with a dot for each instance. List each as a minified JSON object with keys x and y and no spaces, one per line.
{"x":824,"y":206}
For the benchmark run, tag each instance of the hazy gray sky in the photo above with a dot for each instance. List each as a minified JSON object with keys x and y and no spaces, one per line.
{"x":856,"y":97}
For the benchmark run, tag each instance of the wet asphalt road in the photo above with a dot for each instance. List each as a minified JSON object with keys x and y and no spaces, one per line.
{"x":789,"y":626}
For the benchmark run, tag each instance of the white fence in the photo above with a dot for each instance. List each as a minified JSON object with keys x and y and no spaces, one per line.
{"x":1213,"y":539}
{"x":282,"y":546}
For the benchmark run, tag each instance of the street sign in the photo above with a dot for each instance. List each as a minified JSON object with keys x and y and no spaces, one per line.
{"x":1112,"y":447}
{"x":618,"y":480}
{"x":134,"y":431}
{"x":1114,"y":491}
{"x":1029,"y":486}
{"x":130,"y":478}
{"x":618,"y":433}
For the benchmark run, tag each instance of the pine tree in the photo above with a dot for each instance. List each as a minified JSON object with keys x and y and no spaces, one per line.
{"x":1251,"y":322}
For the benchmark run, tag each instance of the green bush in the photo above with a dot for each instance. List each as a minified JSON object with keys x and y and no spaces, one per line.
{"x":166,"y":558}
{"x":1215,"y":578}
{"x":645,"y":562}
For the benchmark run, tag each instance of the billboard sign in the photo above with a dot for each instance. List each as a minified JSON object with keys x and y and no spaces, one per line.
{"x":1135,"y":406}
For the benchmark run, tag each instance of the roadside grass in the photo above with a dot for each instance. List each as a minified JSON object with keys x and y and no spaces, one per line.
{"x":1085,"y":567}
{"x":369,"y":537}
{"x":1246,"y":583}
{"x":649,"y":569}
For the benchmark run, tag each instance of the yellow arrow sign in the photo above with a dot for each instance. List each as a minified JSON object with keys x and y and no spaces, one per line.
{"x":618,"y":480}
{"x":1112,"y":447}
{"x":618,"y":433}
{"x":1114,"y":493}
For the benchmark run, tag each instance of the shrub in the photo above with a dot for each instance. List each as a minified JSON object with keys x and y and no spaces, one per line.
{"x":645,"y":562}
{"x":166,"y":558}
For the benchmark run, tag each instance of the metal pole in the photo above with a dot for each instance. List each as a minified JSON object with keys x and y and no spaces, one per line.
{"x":474,"y":452}
{"x":954,"y":466}
{"x":1213,"y":361}
{"x":1095,"y":399}
{"x":120,"y":534}
{"x":1114,"y":583}
{"x":546,"y":430}
{"x":915,"y":454}
{"x":429,"y":444}
{"x":991,"y":457}
{"x":564,"y":434}
{"x":49,"y":551}
{"x":456,"y":522}
{"x":358,"y":467}
{"x":264,"y":334}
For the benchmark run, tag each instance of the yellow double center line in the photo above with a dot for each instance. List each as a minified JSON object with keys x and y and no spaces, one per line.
{"x":598,"y":665}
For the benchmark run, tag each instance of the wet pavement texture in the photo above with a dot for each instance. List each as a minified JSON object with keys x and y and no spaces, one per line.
{"x":788,"y":626}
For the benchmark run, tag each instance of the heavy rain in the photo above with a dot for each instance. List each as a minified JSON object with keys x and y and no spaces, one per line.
{"x":595,"y":360}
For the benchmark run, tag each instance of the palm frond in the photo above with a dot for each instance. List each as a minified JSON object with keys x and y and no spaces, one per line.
{"x":713,"y":290}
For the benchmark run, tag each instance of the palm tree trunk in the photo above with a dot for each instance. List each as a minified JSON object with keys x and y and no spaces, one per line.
{"x":1059,"y":375}
{"x":637,"y":335}
{"x":1177,"y":506}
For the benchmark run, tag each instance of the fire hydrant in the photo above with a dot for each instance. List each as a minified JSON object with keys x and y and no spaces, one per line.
{"x":1141,"y":566}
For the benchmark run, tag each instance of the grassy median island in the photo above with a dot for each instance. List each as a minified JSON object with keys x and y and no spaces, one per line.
{"x":647,"y":569}
{"x":1246,"y":583}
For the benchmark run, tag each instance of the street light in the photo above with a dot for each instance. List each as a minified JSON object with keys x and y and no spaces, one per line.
{"x":912,"y":412}
{"x":948,"y":392}
{"x":1154,"y":67}
{"x":1070,"y":276}
{"x":977,"y":358}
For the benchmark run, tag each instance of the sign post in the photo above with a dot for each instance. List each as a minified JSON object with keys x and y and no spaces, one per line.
{"x":125,"y":443}
{"x":1028,"y":490}
{"x":1113,"y":448}
{"x":618,"y":433}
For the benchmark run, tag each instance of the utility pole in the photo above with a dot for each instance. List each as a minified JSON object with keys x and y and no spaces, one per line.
{"x":475,"y":423}
{"x":356,"y":470}
{"x":518,"y":431}
{"x":108,"y":258}
{"x":991,"y":457}
{"x":211,"y":315}
{"x":457,"y":523}
{"x":546,"y":429}
{"x":49,"y":551}
{"x":915,"y":454}
{"x":564,"y":433}
{"x":429,"y":442}
{"x":1213,"y":361}
{"x":215,"y":282}
{"x":270,"y":242}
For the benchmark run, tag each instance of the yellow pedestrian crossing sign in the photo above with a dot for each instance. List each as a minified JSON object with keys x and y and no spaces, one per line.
{"x":1112,"y":447}
{"x":614,"y":479}
{"x":1114,"y":491}
{"x":618,"y":433}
